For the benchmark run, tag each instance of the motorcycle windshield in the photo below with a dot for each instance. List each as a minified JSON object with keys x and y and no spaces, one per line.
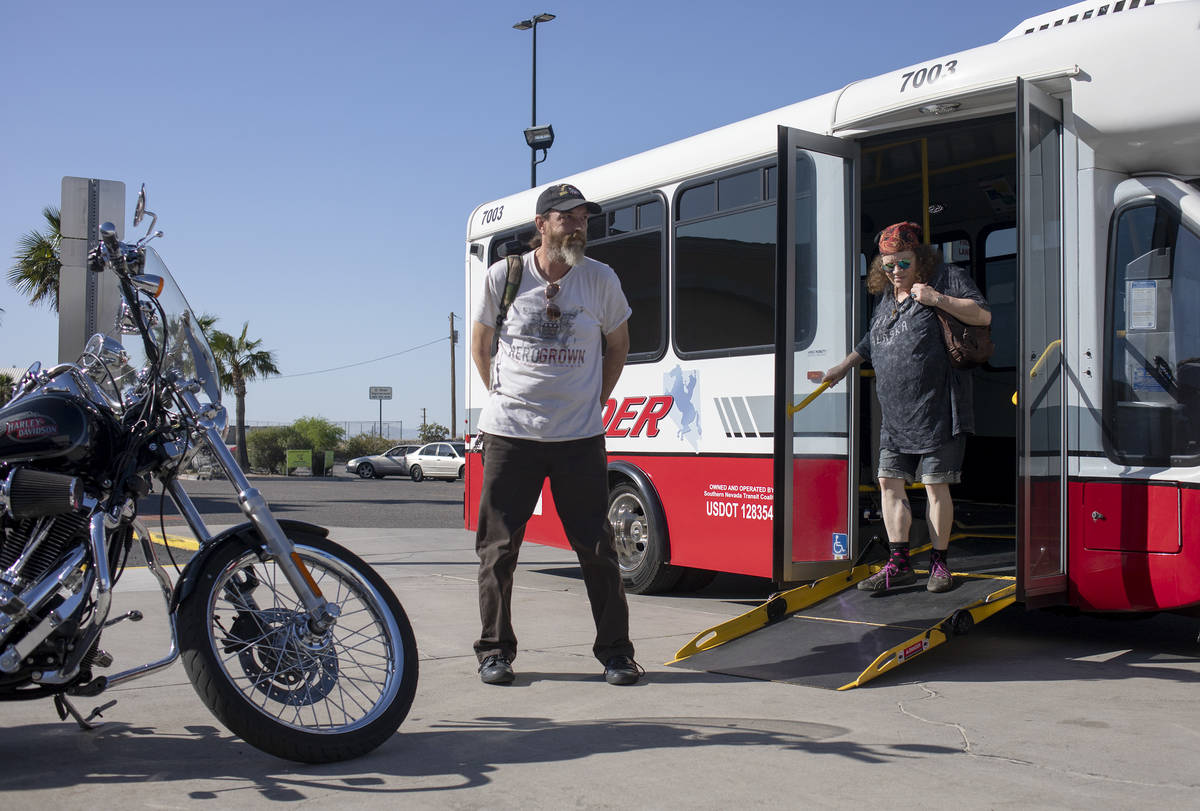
{"x":177,"y":334}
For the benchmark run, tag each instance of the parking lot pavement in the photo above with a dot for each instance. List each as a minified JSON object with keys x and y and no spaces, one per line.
{"x":1029,"y":711}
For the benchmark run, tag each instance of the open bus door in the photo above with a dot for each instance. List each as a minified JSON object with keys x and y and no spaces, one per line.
{"x":815,"y":477}
{"x":1042,"y":420}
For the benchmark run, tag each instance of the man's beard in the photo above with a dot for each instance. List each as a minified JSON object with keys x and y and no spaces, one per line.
{"x":568,"y":250}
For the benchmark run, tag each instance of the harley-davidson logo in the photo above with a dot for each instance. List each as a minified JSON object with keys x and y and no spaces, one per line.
{"x":24,"y":429}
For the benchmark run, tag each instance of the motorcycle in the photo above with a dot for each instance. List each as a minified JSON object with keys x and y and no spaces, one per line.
{"x":291,"y":640}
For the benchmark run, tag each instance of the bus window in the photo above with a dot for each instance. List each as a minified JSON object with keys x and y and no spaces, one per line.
{"x":1152,"y":388}
{"x":1000,"y":289}
{"x":698,"y":201}
{"x":496,"y":252}
{"x":725,"y":282}
{"x":629,"y":238}
{"x":725,"y":263}
{"x":620,"y":221}
{"x":736,"y":191}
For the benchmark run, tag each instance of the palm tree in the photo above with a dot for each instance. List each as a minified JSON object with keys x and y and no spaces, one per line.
{"x":36,"y":265}
{"x":240,"y":360}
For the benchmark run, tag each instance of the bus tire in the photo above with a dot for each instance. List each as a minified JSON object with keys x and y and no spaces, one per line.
{"x":640,"y":533}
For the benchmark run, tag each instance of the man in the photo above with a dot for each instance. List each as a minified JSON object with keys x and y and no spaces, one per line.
{"x":546,"y":383}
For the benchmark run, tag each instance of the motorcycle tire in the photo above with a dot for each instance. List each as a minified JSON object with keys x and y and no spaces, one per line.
{"x":315,"y":700}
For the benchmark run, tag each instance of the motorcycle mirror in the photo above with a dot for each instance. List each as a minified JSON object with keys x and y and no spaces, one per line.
{"x":139,"y":210}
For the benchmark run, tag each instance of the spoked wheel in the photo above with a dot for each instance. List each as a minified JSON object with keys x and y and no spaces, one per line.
{"x":263,"y":671}
{"x":415,"y":473}
{"x":366,"y":471}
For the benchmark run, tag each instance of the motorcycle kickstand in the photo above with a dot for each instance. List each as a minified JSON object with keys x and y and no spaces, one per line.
{"x":65,"y":708}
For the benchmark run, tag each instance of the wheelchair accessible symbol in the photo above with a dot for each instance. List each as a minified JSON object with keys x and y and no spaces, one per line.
{"x":841,"y":546}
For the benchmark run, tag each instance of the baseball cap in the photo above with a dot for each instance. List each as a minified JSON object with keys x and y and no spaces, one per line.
{"x":563,"y":197}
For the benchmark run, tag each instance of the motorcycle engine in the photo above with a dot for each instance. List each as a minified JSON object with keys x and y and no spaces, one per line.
{"x":31,"y":547}
{"x":40,"y":529}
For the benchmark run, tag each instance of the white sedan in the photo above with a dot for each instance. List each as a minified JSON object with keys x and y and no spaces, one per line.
{"x":438,"y":460}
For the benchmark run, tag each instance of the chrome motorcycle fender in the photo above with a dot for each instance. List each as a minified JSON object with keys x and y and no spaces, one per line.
{"x":243,"y":534}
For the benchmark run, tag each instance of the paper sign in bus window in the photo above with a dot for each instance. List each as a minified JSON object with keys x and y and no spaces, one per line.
{"x":1141,"y":305}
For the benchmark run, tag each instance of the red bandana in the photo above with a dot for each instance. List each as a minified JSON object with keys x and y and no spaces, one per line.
{"x":903,"y":236}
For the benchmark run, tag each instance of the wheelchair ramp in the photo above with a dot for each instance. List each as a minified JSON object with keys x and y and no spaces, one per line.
{"x":832,"y":635}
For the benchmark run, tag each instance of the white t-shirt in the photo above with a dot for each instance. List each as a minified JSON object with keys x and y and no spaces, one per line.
{"x":547,"y":375}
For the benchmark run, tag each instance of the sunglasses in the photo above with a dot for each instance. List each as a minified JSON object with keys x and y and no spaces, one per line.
{"x":552,"y":311}
{"x":904,"y":264}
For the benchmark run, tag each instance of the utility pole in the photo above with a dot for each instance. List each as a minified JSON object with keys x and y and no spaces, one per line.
{"x":453,"y":403}
{"x":422,"y":423}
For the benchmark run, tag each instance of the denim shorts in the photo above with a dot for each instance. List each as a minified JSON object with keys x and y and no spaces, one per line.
{"x":942,"y":466}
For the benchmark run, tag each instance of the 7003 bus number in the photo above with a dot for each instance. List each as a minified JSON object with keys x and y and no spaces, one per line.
{"x":918,"y":78}
{"x":735,"y":509}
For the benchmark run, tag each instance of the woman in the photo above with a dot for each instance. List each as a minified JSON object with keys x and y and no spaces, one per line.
{"x":925,"y":404}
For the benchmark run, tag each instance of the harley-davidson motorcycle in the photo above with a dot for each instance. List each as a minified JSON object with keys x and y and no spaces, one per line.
{"x":292,"y":641}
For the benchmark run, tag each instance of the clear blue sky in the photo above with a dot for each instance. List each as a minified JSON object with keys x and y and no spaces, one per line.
{"x":313,"y":164}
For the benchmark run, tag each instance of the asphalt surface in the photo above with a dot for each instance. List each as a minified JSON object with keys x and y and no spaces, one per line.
{"x":340,"y":500}
{"x":1030,"y":710}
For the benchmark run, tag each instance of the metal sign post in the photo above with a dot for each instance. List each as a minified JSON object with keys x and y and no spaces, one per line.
{"x":87,"y":302}
{"x":381,"y":393}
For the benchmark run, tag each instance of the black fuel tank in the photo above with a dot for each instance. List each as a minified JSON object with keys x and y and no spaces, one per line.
{"x":50,"y":425}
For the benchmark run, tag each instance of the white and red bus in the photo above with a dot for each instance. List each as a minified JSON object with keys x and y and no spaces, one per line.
{"x":1059,"y":166}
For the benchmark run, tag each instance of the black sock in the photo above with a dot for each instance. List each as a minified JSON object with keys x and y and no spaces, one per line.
{"x":899,"y":554}
{"x":937,"y":554}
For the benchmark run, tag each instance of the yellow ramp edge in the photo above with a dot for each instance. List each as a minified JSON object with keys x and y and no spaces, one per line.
{"x":778,"y":607}
{"x":957,"y":622}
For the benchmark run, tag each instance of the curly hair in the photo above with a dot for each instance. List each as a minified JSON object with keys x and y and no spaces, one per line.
{"x":927,"y":260}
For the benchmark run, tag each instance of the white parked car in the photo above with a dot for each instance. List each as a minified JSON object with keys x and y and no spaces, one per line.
{"x":438,"y":460}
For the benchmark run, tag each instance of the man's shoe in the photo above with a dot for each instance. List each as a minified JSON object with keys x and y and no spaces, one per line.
{"x":496,"y":670}
{"x":622,"y":670}
{"x":889,"y":577}
{"x":940,"y":578}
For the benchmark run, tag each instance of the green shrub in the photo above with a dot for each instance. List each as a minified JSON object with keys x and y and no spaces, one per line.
{"x":268,"y":447}
{"x":319,"y":434}
{"x":433,"y":432}
{"x":364,"y":445}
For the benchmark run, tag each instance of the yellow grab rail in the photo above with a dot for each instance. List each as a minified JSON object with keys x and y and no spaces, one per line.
{"x":792,"y":409}
{"x":1033,"y":372}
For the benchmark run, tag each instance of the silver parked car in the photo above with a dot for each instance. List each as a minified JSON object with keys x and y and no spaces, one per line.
{"x":394,"y":462}
{"x":438,"y":460}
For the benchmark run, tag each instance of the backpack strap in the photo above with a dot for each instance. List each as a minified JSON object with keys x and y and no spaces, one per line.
{"x":516,"y":266}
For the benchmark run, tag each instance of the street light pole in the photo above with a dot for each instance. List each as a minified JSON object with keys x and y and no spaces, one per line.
{"x":525,"y":25}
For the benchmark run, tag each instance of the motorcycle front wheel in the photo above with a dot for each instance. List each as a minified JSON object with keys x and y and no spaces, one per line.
{"x":252,"y":658}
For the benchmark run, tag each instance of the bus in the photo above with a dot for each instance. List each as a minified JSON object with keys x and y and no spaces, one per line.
{"x":1058,"y":166}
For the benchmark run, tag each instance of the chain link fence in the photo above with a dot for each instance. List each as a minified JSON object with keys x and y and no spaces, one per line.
{"x":392,"y":429}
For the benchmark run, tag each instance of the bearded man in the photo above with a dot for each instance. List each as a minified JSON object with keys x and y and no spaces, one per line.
{"x":546,"y":383}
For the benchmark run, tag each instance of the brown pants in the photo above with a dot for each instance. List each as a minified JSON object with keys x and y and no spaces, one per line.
{"x":513,"y":473}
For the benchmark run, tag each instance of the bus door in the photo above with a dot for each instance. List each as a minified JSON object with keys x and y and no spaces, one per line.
{"x":814,"y":479}
{"x":1041,"y":426}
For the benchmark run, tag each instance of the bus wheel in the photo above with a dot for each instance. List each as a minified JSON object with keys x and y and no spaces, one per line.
{"x":640,"y":534}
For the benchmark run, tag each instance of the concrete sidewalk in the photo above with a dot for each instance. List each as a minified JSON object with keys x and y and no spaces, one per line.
{"x":1029,"y":711}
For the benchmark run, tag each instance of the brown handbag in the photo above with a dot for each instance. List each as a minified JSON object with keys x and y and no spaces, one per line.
{"x":968,"y":345}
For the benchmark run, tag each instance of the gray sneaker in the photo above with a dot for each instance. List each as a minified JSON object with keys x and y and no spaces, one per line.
{"x":940,"y":578}
{"x":889,"y":577}
{"x":496,"y":670}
